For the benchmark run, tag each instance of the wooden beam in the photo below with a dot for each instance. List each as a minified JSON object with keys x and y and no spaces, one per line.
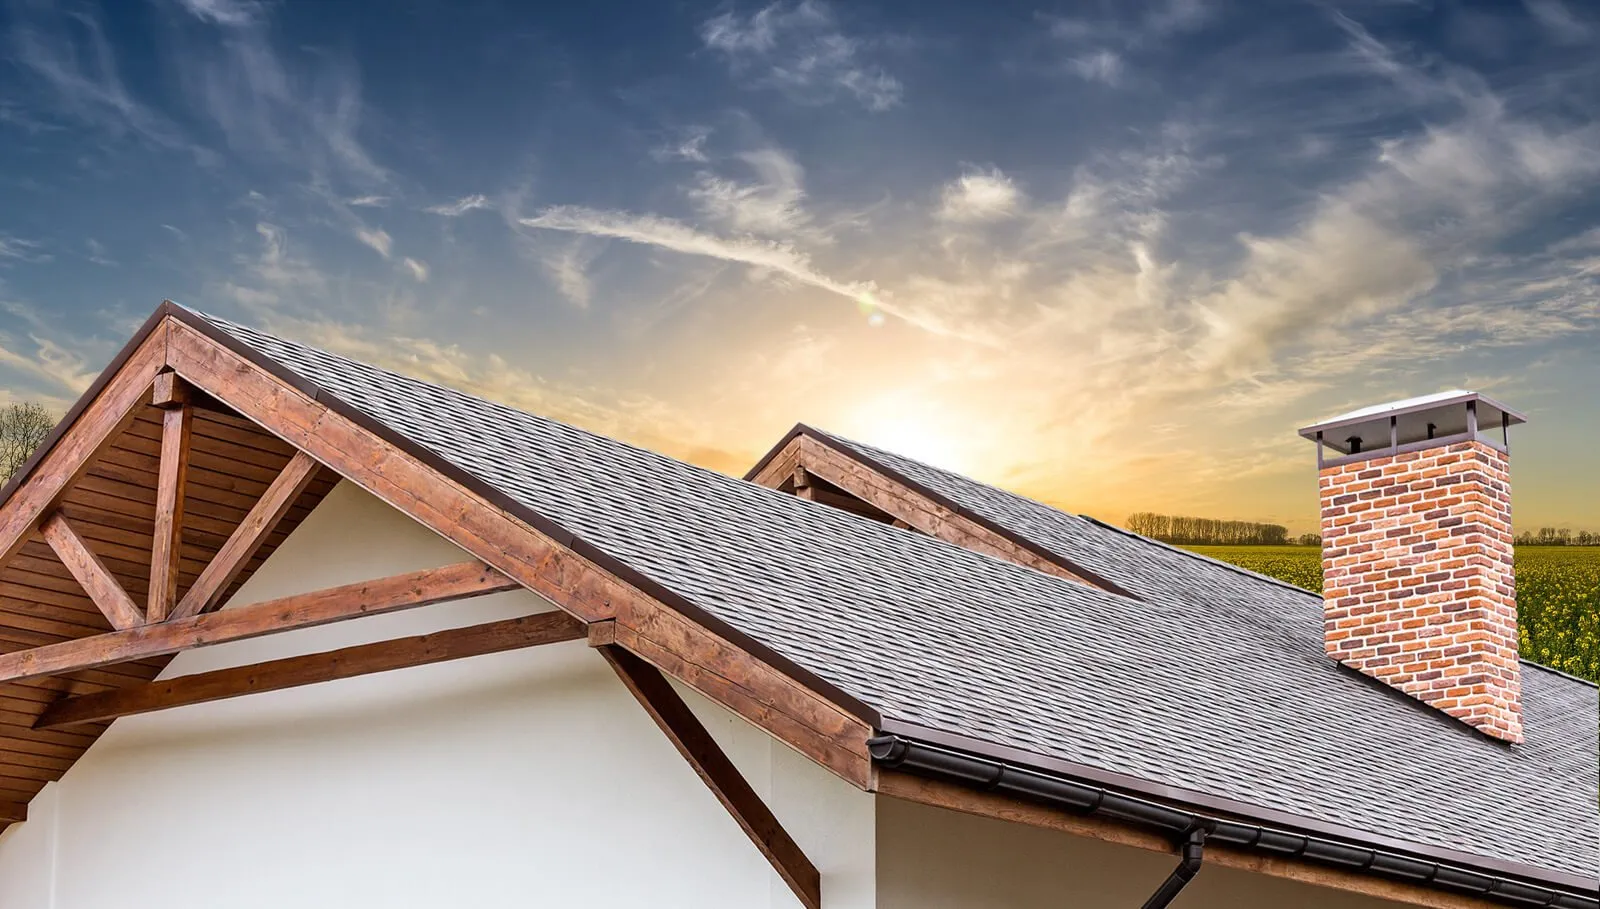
{"x":802,"y":484}
{"x":177,"y":421}
{"x":403,"y":591}
{"x":818,"y":725}
{"x":292,"y":672}
{"x":207,"y":591}
{"x":100,"y":420}
{"x":13,"y":812}
{"x":913,"y":509}
{"x":697,"y":746}
{"x":941,"y":794}
{"x":91,"y":573}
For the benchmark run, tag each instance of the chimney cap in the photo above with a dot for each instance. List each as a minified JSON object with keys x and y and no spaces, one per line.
{"x":1417,"y":419}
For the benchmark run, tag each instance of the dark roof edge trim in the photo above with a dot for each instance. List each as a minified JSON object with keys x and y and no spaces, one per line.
{"x":898,"y":752}
{"x":1191,"y":802}
{"x":1042,"y":552}
{"x":609,"y":563}
{"x":166,"y":308}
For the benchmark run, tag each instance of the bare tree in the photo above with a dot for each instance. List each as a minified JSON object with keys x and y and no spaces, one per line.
{"x":22,"y":428}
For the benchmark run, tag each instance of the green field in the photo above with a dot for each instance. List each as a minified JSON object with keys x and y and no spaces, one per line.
{"x":1558,"y":596}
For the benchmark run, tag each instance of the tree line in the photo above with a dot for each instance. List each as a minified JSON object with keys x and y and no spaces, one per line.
{"x":1183,"y":530}
{"x":1558,"y":536}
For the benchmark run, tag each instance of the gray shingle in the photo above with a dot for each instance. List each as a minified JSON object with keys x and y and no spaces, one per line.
{"x":1215,"y":682}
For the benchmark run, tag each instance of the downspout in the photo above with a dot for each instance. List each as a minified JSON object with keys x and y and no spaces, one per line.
{"x":1193,"y":852}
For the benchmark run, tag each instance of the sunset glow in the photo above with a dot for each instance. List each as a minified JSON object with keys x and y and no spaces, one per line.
{"x":1110,"y":255}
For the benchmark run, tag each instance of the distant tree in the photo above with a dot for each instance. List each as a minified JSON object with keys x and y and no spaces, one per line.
{"x":1309,"y":539}
{"x":1189,"y":531}
{"x":22,"y":428}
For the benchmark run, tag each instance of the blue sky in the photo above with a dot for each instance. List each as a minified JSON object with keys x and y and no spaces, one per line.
{"x":1109,"y":254}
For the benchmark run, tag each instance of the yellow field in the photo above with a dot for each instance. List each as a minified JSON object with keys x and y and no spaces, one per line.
{"x":1558,"y":596}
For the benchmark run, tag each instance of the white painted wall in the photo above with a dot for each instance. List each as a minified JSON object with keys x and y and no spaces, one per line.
{"x":520,"y":779}
{"x":933,"y":858}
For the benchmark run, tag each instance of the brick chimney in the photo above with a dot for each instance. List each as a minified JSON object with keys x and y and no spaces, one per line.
{"x":1418,"y":590}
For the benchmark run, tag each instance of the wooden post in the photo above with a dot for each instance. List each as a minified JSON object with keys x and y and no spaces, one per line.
{"x":177,"y":419}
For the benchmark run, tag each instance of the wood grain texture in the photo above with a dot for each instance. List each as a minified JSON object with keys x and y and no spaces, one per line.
{"x":91,"y":573}
{"x":904,"y":505}
{"x":651,"y":689}
{"x":207,"y":592}
{"x":177,"y":422}
{"x":292,"y":672}
{"x":679,"y":646}
{"x":404,"y":591}
{"x":71,"y":455}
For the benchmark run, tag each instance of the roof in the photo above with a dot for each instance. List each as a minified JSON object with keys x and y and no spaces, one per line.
{"x":1212,"y":684}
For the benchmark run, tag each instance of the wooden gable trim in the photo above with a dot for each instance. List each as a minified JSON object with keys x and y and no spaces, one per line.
{"x":941,"y":794}
{"x":804,"y":453}
{"x":104,"y":411}
{"x":672,"y":634}
{"x":651,"y":689}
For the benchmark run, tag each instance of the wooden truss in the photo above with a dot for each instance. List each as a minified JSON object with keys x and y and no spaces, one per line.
{"x":104,"y":574}
{"x":178,"y":369}
{"x":814,"y":469}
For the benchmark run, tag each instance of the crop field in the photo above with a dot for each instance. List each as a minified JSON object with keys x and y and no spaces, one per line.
{"x":1558,"y":596}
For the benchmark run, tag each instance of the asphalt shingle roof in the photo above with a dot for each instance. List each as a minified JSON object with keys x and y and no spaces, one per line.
{"x":1213,"y":681}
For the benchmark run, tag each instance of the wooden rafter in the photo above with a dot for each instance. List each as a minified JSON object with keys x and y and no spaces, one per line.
{"x":207,"y":591}
{"x":13,"y":812}
{"x":111,"y":410}
{"x":177,"y":420}
{"x":813,"y":723}
{"x":292,"y":672}
{"x":690,"y":737}
{"x":404,"y":591}
{"x":96,"y":580}
{"x":908,"y":508}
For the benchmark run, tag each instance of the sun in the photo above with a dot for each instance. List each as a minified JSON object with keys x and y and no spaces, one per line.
{"x":912,"y":426}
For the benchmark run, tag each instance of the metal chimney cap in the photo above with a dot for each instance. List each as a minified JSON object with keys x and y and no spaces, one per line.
{"x":1415,"y":419}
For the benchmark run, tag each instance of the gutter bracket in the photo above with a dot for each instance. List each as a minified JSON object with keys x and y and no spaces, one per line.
{"x":1193,"y":852}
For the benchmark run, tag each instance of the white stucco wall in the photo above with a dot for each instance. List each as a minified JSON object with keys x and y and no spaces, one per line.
{"x":520,"y":779}
{"x":933,"y":858}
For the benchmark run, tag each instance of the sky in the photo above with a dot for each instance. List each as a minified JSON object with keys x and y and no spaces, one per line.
{"x":1110,"y":255}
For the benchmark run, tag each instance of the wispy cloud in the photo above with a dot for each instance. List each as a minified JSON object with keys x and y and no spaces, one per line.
{"x":979,"y":195}
{"x":1560,"y":22}
{"x":770,"y":205}
{"x":1099,"y":66}
{"x":377,"y":238}
{"x":305,"y":117}
{"x":689,"y":145}
{"x":675,"y":236}
{"x":568,"y":270}
{"x":461,"y":206}
{"x":68,"y":57}
{"x":800,"y":49}
{"x":16,"y":249}
{"x":417,"y":269}
{"x":368,"y":201}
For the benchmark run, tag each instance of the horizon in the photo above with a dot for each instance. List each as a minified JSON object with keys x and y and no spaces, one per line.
{"x":1110,"y":257}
